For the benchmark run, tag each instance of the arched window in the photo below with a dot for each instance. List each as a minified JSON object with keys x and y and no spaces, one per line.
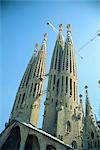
{"x":31,"y":88}
{"x":74,"y":91}
{"x":32,"y":143}
{"x":91,"y":144}
{"x":70,"y":63}
{"x":13,"y":140}
{"x":95,"y":145}
{"x":75,"y":111}
{"x":56,"y":103}
{"x":92,"y":135}
{"x":66,"y":84}
{"x":98,"y":143}
{"x":70,"y":87}
{"x":62,"y":82}
{"x":56,"y":59}
{"x":23,"y":98}
{"x":28,"y":77}
{"x":50,"y":147}
{"x":18,"y":100}
{"x":57,"y":85}
{"x":88,"y":145}
{"x":74,"y":144}
{"x":73,"y":68}
{"x":67,"y":60}
{"x":68,"y":127}
{"x":50,"y":81}
{"x":54,"y":79}
{"x":34,"y":89}
{"x":59,"y":60}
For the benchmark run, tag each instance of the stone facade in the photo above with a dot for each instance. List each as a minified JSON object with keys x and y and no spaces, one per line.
{"x":65,"y":125}
{"x":27,"y":137}
{"x":28,"y":97}
{"x":91,"y":128}
{"x":61,"y":105}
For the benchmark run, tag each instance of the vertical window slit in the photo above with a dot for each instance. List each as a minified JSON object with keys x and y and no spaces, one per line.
{"x":23,"y":98}
{"x":67,"y":60}
{"x":66,"y":84}
{"x":70,"y":86}
{"x":74,"y":91}
{"x":54,"y":79}
{"x":62,"y":82}
{"x":34,"y":89}
{"x":70,"y":63}
{"x":57,"y":85}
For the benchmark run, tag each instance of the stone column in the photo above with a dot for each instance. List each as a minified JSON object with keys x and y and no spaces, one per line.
{"x":42,"y":143}
{"x":24,"y":133}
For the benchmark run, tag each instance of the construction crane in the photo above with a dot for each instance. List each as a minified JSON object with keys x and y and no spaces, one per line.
{"x":99,"y":101}
{"x":52,"y":26}
{"x":88,"y":42}
{"x":83,"y":46}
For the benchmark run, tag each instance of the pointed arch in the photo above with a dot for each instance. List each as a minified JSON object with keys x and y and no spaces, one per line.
{"x":13,"y":140}
{"x":74,"y":144}
{"x":32,"y":143}
{"x":68,"y":127}
{"x":50,"y":147}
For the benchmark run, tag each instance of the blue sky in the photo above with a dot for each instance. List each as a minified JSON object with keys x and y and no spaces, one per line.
{"x":23,"y":23}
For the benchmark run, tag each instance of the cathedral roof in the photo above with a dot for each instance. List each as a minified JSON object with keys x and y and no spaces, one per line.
{"x":37,"y":130}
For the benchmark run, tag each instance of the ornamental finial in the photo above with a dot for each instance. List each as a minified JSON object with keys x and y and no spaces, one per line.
{"x":36,"y":45}
{"x":68,"y":28}
{"x":80,"y":95}
{"x":60,"y":27}
{"x":86,"y":87}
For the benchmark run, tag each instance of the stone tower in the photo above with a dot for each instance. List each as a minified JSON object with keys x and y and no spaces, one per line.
{"x":91,"y":134}
{"x":50,"y":113}
{"x":27,"y":102}
{"x":63,"y":116}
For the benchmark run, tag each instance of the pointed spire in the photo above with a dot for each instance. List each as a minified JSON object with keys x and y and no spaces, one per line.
{"x":68,"y":28}
{"x":80,"y":96}
{"x":88,"y":106}
{"x":86,"y":91}
{"x":81,"y":103}
{"x":60,"y":36}
{"x":43,"y":47}
{"x":69,"y":38}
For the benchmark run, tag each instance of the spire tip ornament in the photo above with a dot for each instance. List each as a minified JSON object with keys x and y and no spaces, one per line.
{"x":60,"y":27}
{"x":36,"y":45}
{"x":80,"y":95}
{"x":68,"y":28}
{"x":86,"y":87}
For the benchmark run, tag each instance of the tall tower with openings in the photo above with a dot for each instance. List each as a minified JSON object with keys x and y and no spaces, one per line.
{"x":63,"y":116}
{"x":28,"y":97}
{"x":50,"y":113}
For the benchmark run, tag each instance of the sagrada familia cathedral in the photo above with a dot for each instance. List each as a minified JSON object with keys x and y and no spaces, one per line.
{"x":65,"y":124}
